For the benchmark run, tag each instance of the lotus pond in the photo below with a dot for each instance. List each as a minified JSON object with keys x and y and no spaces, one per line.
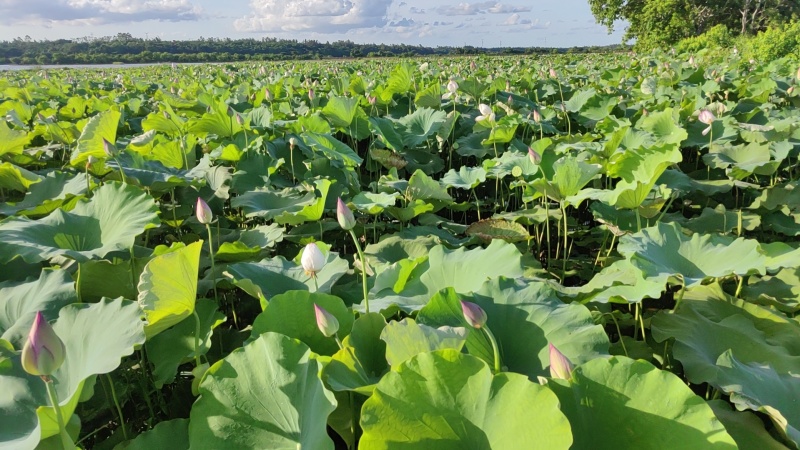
{"x":595,"y":252}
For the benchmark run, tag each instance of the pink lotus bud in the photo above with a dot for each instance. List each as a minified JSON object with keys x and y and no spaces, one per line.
{"x":109,"y":149}
{"x":312,"y":260}
{"x":474,"y":314}
{"x":344,"y":215}
{"x":691,"y":60}
{"x":372,"y":99}
{"x":534,"y":156}
{"x":706,"y":116}
{"x":510,"y":100}
{"x":790,"y":90}
{"x":553,"y":73}
{"x":43,"y":352}
{"x":326,"y":322}
{"x":203,"y":212}
{"x":560,"y":366}
{"x":452,"y":86}
{"x":311,"y":94}
{"x":536,"y":116}
{"x":268,"y":95}
{"x":472,"y":65}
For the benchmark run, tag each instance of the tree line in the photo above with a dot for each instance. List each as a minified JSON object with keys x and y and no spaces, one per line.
{"x":124,"y":48}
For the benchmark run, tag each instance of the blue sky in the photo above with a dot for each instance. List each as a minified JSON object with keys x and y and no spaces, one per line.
{"x":426,"y":22}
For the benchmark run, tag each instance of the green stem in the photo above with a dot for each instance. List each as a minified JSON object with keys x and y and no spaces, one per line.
{"x":196,"y":338}
{"x":116,"y":405}
{"x":291,"y":163}
{"x":495,"y":350}
{"x":211,"y":253}
{"x":66,"y":440}
{"x":316,"y":284}
{"x":566,"y":236}
{"x":121,"y":172}
{"x":363,"y":270}
{"x":78,"y":284}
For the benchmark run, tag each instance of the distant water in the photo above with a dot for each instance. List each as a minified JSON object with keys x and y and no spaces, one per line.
{"x":5,"y":67}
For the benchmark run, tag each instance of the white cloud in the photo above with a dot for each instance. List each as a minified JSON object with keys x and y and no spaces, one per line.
{"x":95,"y":12}
{"x":469,"y":9}
{"x":516,"y":19}
{"x":320,"y":16}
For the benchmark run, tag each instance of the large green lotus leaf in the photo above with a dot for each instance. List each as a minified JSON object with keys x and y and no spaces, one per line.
{"x":112,"y":279}
{"x":620,"y":282}
{"x":423,"y":187}
{"x":639,"y":170}
{"x":90,"y":143}
{"x":341,"y":111}
{"x":570,"y":176}
{"x":765,"y":389}
{"x":465,"y":178}
{"x":361,"y":361}
{"x":372,"y":203}
{"x":745,"y":428}
{"x":684,"y":184}
{"x":12,"y":141}
{"x":274,"y":276}
{"x":524,"y":319}
{"x":172,"y":347}
{"x":779,"y":197}
{"x":216,"y":121}
{"x":20,"y":301}
{"x":332,"y":148}
{"x":110,"y":221}
{"x":447,"y":268}
{"x":407,"y":338}
{"x":781,"y":290}
{"x":57,"y":189}
{"x":264,"y":395}
{"x":172,"y":434}
{"x":96,"y":336}
{"x":781,"y":255}
{"x":709,"y":322}
{"x":489,"y":229}
{"x":153,"y":174}
{"x":288,"y":206}
{"x":663,"y":250}
{"x":719,"y":220}
{"x":16,"y":178}
{"x":420,"y":125}
{"x":168,"y":287}
{"x":663,"y":126}
{"x":450,"y":401}
{"x":292,"y":314}
{"x":628,"y":397}
{"x":742,"y":161}
{"x":387,"y":130}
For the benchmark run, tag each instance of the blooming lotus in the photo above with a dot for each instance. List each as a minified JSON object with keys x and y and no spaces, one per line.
{"x":43,"y":352}
{"x":452,"y":87}
{"x":486,"y":113}
{"x":706,"y":117}
{"x":312,"y":260}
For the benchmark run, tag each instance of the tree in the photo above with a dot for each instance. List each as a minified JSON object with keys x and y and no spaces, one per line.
{"x":655,"y":23}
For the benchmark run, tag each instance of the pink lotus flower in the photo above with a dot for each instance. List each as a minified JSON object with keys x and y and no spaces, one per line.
{"x":474,"y":314}
{"x":326,"y":322}
{"x":486,"y":113}
{"x":706,"y":117}
{"x":203,"y":212}
{"x":43,"y":352}
{"x":560,"y":366}
{"x":344,"y":215}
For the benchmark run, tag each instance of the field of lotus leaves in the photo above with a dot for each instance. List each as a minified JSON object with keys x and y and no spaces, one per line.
{"x":594,"y":252}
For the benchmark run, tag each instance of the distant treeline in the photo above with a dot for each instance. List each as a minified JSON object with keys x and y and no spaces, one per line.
{"x":124,"y":48}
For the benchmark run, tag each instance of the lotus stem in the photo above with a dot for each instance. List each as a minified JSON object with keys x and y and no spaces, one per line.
{"x":117,"y":405}
{"x":363,"y":270}
{"x":211,"y":253}
{"x":196,"y":338}
{"x":66,"y":440}
{"x":495,"y":350}
{"x":121,"y":172}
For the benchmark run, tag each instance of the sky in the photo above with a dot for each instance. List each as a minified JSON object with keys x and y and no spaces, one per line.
{"x":531,"y":23}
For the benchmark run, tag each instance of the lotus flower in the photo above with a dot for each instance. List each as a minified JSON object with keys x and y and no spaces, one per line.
{"x":312,"y":260}
{"x":372,"y":100}
{"x":537,"y":117}
{"x":486,"y":113}
{"x":707,"y":117}
{"x":560,"y":366}
{"x":553,"y":73}
{"x":326,"y":322}
{"x":344,"y":215}
{"x":43,"y":352}
{"x":534,"y":156}
{"x":203,"y":212}
{"x":109,"y":149}
{"x":452,"y":88}
{"x":311,"y":94}
{"x":268,"y":95}
{"x":474,"y":314}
